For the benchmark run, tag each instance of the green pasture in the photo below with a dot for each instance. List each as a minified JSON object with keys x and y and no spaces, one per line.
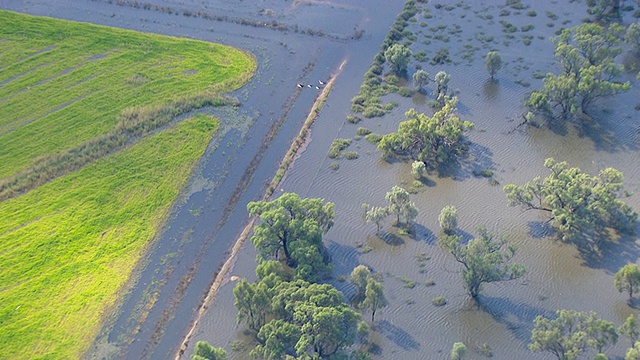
{"x":63,"y":83}
{"x":68,"y":247}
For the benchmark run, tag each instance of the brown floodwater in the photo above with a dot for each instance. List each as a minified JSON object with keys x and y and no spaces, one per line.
{"x":558,"y":277}
{"x":203,"y":225}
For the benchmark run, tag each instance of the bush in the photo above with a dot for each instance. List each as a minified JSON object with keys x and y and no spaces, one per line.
{"x":373,"y":138}
{"x":362,"y":131}
{"x":351,"y":155}
{"x":353,"y":119}
{"x":337,"y":146}
{"x":405,"y":92}
{"x":439,"y":301}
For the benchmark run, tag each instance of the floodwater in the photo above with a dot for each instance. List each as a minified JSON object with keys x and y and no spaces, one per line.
{"x":183,"y":261}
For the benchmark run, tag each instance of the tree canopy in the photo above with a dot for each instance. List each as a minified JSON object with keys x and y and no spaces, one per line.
{"x":578,"y":203}
{"x":433,"y":140}
{"x":292,"y":227}
{"x":586,"y":54}
{"x":632,"y":37}
{"x":398,"y":56}
{"x":493,"y":62}
{"x":400,"y":204}
{"x":571,"y":333}
{"x":420,"y":79}
{"x":204,"y":351}
{"x":485,"y":260}
{"x":627,"y":279}
{"x":304,"y":318}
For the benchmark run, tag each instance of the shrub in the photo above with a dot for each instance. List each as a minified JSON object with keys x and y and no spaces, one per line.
{"x":353,"y":119}
{"x":439,"y":301}
{"x":337,"y":146}
{"x":405,"y":92}
{"x":351,"y":155}
{"x":373,"y":138}
{"x":362,"y":131}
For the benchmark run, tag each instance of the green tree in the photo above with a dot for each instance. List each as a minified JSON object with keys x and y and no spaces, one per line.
{"x":601,"y":356}
{"x":325,"y":330}
{"x":400,"y":204}
{"x":633,"y":353}
{"x":359,"y":278}
{"x":632,"y":37}
{"x":433,"y":140}
{"x":485,"y":260}
{"x":448,"y":219}
{"x":418,"y":169}
{"x":627,"y":279}
{"x":204,"y":351}
{"x":398,"y":56}
{"x":293,"y":227}
{"x":442,"y":80}
{"x":253,"y":303}
{"x":420,"y":79}
{"x":571,"y":333}
{"x":493,"y":63}
{"x":602,"y":333}
{"x":577,"y":202}
{"x":630,"y":329}
{"x":605,"y":10}
{"x":374,"y":298}
{"x":458,"y":351}
{"x":587,"y":55}
{"x":377,"y":215}
{"x":277,"y":339}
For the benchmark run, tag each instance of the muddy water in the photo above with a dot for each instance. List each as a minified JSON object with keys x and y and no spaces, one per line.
{"x":173,"y":278}
{"x":558,"y":277}
{"x":196,"y":238}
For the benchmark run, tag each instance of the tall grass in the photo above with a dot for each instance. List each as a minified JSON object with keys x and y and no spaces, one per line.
{"x":86,"y":181}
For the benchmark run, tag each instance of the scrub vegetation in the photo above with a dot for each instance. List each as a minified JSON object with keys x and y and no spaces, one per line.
{"x":78,"y":102}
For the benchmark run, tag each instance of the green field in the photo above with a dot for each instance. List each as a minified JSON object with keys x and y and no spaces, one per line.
{"x":68,"y":246}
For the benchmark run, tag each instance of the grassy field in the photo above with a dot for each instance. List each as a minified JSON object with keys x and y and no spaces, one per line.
{"x":68,"y":246}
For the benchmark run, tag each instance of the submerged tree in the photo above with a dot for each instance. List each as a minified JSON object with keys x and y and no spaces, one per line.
{"x":627,"y":279}
{"x":359,"y":278}
{"x":398,"y":56}
{"x":253,"y":303}
{"x":632,"y":37}
{"x":485,"y":260}
{"x":377,"y":215}
{"x":374,"y":298}
{"x":204,"y":351}
{"x":292,"y":227}
{"x":420,"y":79}
{"x":633,"y":353}
{"x":577,"y":202}
{"x":433,"y":140}
{"x":586,"y":54}
{"x":401,"y":205}
{"x":630,"y":329}
{"x":458,"y":351}
{"x":571,"y":333}
{"x":448,"y":219}
{"x":442,"y":80}
{"x":493,"y":63}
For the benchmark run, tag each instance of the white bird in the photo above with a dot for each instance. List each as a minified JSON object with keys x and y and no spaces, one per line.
{"x":300,"y":85}
{"x":309,"y":85}
{"x":321,"y":82}
{"x":318,"y":87}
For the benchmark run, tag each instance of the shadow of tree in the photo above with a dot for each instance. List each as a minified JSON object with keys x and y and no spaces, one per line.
{"x":424,"y":234}
{"x":391,"y":238}
{"x":598,"y":249}
{"x":517,"y":317}
{"x":476,"y":159}
{"x":397,"y":335}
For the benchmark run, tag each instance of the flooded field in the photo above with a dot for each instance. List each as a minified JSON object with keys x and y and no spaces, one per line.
{"x":303,"y":42}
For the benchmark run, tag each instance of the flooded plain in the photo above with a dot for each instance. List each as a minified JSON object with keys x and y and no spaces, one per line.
{"x":303,"y":42}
